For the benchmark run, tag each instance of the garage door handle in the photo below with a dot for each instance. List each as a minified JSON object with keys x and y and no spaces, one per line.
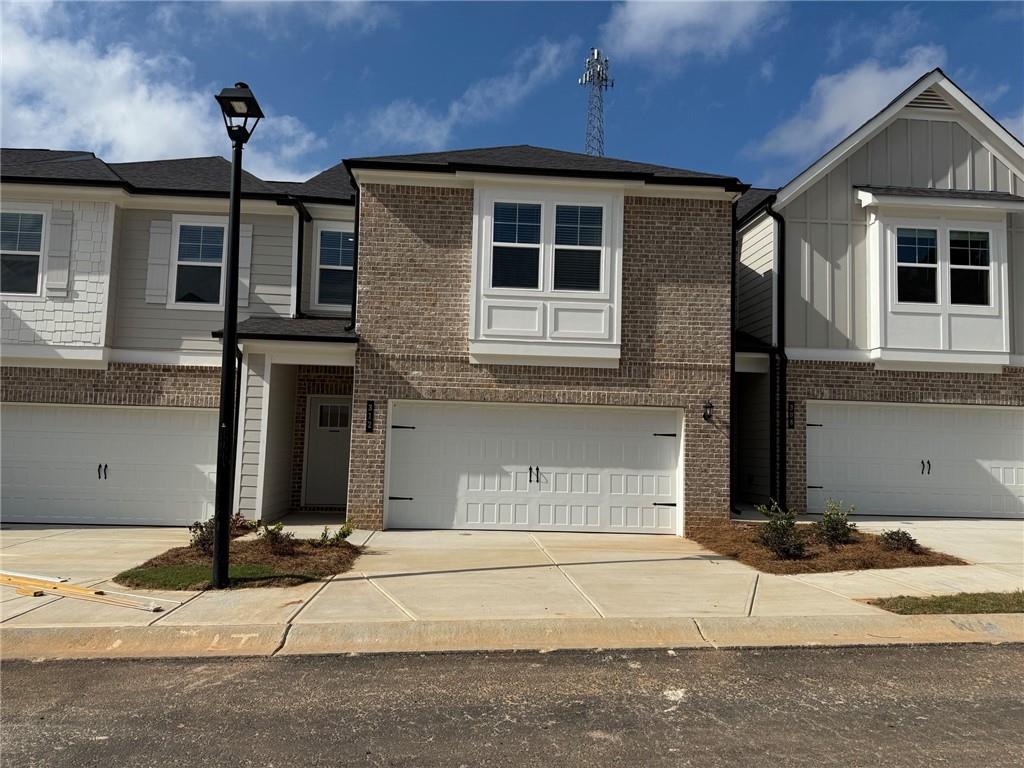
{"x":104,"y":471}
{"x":399,"y":498}
{"x":929,"y":466}
{"x":663,"y":504}
{"x":531,"y":473}
{"x":922,"y":466}
{"x":99,"y":471}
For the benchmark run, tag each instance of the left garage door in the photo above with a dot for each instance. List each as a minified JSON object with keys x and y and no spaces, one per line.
{"x":114,"y":466}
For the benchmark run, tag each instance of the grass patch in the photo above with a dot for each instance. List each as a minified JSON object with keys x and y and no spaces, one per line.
{"x":965,"y":602}
{"x":254,"y":563}
{"x":740,"y":541}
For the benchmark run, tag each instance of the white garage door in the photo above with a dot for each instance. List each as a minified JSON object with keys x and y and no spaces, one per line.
{"x":533,"y":467}
{"x":922,"y":461}
{"x":124,"y":466}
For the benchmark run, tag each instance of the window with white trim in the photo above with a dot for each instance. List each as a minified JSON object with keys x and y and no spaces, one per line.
{"x":579,"y":238}
{"x":21,"y":252}
{"x":335,"y":262}
{"x":917,"y":266}
{"x":970,"y":268}
{"x":515,"y":251}
{"x":198,"y":264}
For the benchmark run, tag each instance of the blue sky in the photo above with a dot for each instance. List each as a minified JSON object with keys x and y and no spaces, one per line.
{"x":756,"y":90}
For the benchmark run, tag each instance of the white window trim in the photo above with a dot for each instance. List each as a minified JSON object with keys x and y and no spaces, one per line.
{"x":327,"y":226}
{"x":546,"y":259}
{"x":177,"y":222}
{"x":46,"y":210}
{"x":943,"y":226}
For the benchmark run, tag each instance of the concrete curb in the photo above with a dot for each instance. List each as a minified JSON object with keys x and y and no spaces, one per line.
{"x":504,"y":635}
{"x":39,"y":643}
{"x":776,"y":631}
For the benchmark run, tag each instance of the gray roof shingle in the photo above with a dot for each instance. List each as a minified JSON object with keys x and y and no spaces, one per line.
{"x":751,"y":200}
{"x":523,"y":158}
{"x":56,"y":165}
{"x":204,"y":175}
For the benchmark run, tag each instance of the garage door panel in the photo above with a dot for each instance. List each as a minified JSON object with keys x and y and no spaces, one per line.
{"x":160,"y":465}
{"x":916,"y":460}
{"x":599,"y":468}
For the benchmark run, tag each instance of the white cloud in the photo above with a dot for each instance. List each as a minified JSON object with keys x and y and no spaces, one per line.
{"x":840,"y":103}
{"x":65,"y":91}
{"x":269,"y":15}
{"x":669,"y":32}
{"x":406,"y":124}
{"x":767,"y":70}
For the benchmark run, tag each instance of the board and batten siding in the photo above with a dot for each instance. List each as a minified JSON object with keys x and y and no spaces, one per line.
{"x":251,"y":417}
{"x":755,"y":277}
{"x":826,"y":228}
{"x":141,"y":325}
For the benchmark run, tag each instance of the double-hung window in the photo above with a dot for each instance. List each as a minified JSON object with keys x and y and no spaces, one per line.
{"x":515,"y":250}
{"x":335,"y":262}
{"x":21,"y":252}
{"x":969,"y":268}
{"x":578,"y":247}
{"x":198,"y":264}
{"x":917,"y":266}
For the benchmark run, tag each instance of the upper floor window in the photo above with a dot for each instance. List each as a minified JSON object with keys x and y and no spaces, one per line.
{"x":335,"y":262}
{"x":578,"y":242}
{"x":21,"y":252}
{"x":198,"y":264}
{"x":917,"y":259}
{"x":969,"y":267}
{"x":515,"y":258}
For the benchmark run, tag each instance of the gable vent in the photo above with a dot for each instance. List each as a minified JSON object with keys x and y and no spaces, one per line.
{"x":929,"y":99}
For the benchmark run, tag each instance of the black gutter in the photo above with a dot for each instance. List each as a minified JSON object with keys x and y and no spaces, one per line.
{"x":304,"y":218}
{"x":355,"y":259}
{"x":780,"y":405}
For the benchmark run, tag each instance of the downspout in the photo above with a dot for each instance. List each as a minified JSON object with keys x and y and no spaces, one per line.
{"x":732,"y":361}
{"x":304,"y":218}
{"x":355,"y":263}
{"x":780,"y":406}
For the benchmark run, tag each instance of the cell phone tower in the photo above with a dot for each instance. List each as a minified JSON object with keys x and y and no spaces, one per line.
{"x":595,"y":77}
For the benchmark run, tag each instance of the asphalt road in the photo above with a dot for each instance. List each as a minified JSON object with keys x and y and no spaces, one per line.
{"x":881,"y":707}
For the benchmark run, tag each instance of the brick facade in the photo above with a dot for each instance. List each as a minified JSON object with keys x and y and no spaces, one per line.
{"x":860,"y":382}
{"x":129,"y":384}
{"x":312,"y":380}
{"x":415,"y":259}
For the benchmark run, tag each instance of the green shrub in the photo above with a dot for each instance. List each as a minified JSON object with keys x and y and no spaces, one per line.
{"x":779,"y":533}
{"x":835,"y":527}
{"x":275,"y":537}
{"x":328,"y":539}
{"x":898,"y":540}
{"x":201,"y":535}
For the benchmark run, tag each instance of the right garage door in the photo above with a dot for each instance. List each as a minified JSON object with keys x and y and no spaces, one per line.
{"x":916,"y":460}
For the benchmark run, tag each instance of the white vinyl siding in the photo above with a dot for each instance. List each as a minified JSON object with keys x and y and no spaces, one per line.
{"x":277,"y":465}
{"x":755,"y":279}
{"x":141,"y":325}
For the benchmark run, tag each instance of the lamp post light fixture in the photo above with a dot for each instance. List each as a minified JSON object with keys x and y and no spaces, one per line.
{"x":238,"y":107}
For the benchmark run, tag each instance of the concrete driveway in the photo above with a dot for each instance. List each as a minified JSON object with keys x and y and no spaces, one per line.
{"x":409,"y":576}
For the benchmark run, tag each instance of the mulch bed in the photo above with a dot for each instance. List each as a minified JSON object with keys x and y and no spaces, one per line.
{"x":739,"y":541}
{"x":253,"y":563}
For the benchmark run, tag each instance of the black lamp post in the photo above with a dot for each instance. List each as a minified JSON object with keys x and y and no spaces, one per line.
{"x":238,"y":106}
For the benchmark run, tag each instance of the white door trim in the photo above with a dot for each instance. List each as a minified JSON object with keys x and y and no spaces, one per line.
{"x":305,"y":442}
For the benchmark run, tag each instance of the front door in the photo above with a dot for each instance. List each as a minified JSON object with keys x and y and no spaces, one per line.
{"x":328,"y":432}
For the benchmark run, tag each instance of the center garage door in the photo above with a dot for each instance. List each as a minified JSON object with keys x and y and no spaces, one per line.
{"x":917,"y":460}
{"x":120,"y":466}
{"x":533,"y":467}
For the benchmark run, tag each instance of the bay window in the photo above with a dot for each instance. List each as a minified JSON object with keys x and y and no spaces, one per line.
{"x":969,"y":267}
{"x":917,"y":260}
{"x":515,"y":259}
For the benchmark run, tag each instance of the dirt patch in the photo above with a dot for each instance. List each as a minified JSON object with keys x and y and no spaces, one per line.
{"x":254,"y":563}
{"x":965,"y":602}
{"x":739,"y":541}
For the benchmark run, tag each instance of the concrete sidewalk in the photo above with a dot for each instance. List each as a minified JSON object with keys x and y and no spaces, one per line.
{"x":462,"y":590}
